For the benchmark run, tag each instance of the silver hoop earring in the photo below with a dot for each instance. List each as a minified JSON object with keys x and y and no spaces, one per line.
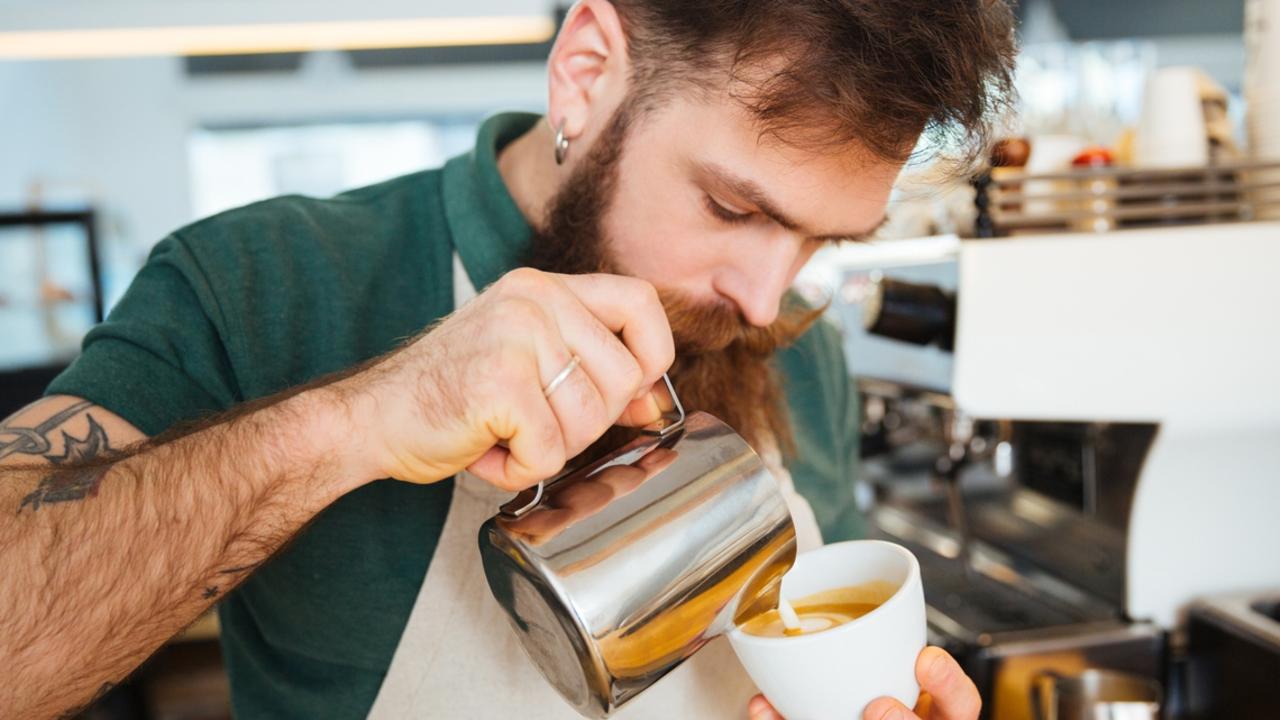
{"x":562,"y":145}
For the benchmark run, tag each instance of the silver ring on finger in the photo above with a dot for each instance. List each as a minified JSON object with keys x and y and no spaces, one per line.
{"x":561,"y":376}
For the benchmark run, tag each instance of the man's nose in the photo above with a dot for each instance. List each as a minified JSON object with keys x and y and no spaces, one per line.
{"x":768,"y":274}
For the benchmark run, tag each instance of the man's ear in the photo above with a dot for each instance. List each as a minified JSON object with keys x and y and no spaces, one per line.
{"x":588,"y":68}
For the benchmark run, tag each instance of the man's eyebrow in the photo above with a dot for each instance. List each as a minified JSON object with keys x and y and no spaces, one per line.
{"x":865,"y":235}
{"x":751,"y":192}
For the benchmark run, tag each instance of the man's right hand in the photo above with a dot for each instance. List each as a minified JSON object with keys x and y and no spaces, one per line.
{"x":107,"y":556}
{"x":468,"y":394}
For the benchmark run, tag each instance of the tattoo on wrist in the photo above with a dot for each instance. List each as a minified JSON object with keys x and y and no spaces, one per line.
{"x":76,"y":475}
{"x":237,"y":573}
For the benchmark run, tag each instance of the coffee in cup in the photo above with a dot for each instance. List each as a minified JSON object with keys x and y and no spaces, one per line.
{"x":822,"y":610}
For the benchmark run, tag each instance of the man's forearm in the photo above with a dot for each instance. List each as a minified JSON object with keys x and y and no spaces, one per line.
{"x":104,"y":562}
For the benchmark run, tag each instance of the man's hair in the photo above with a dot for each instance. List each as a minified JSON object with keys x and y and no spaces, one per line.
{"x":827,"y":73}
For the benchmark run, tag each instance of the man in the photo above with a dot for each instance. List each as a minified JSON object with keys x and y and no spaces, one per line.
{"x":702,"y":149}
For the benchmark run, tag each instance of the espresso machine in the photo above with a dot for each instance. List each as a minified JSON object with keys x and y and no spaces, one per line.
{"x":1079,"y":437}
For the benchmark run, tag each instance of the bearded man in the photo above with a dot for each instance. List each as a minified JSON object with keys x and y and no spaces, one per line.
{"x":250,"y":426}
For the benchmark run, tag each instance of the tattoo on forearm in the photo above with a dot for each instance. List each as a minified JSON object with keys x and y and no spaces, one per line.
{"x":212,"y":591}
{"x":71,"y":479}
{"x":64,"y":486}
{"x":35,"y":441}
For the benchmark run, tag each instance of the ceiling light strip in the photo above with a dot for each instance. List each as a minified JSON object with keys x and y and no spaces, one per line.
{"x":274,"y":38}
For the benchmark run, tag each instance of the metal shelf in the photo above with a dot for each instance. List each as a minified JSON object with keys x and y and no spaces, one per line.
{"x":1092,"y":200}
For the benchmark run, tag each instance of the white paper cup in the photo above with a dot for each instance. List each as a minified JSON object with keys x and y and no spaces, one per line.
{"x":1171,"y":133}
{"x":836,"y":673}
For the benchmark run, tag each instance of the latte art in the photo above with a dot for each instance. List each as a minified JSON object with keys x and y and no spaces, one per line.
{"x":822,"y":611}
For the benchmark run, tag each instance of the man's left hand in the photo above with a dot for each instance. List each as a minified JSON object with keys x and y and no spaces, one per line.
{"x":946,"y":694}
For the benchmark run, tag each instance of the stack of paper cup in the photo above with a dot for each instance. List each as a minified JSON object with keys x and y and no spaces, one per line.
{"x":1262,"y":93}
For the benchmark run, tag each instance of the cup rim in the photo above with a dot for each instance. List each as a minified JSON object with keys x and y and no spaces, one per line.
{"x":738,"y":635}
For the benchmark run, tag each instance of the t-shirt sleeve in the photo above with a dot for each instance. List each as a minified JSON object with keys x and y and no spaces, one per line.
{"x":159,"y":358}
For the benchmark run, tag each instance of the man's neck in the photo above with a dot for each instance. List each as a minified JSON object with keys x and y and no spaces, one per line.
{"x":528,"y":168}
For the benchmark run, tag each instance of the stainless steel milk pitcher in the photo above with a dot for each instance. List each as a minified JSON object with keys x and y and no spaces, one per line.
{"x":614,"y":573}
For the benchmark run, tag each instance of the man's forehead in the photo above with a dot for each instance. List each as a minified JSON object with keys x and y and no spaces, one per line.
{"x":833,"y":191}
{"x":802,"y":142}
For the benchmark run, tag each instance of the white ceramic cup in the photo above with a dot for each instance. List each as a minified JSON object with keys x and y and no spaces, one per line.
{"x":836,"y":673}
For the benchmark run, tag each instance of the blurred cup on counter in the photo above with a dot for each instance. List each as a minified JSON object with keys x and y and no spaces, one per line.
{"x":1050,"y":154}
{"x":1172,"y":132}
{"x":835,"y":673}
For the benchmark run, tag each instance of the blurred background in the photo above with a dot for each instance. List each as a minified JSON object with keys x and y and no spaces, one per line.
{"x":149,"y":143}
{"x":125,"y":119}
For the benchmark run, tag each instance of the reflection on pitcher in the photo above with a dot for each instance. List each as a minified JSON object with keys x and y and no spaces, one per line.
{"x":587,"y":496}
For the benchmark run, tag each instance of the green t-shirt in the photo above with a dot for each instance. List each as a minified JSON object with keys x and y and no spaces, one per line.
{"x":265,"y":297}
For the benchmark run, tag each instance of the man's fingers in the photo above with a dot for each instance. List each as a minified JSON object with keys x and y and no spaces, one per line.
{"x":760,"y":709}
{"x":581,"y":409}
{"x":952,"y":694}
{"x":888,"y":709}
{"x":613,"y":371}
{"x":630,"y":307}
{"x":490,"y":466}
{"x":556,"y":328}
{"x":641,"y":411}
{"x":535,"y":447}
{"x":557,"y":317}
{"x":652,"y":403}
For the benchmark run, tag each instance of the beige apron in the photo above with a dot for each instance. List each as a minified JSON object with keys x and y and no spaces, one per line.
{"x":459,"y":659}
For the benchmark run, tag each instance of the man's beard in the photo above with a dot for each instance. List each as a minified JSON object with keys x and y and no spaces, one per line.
{"x":723,"y":365}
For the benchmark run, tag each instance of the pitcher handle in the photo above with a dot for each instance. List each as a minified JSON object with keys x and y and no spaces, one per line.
{"x":671,"y":420}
